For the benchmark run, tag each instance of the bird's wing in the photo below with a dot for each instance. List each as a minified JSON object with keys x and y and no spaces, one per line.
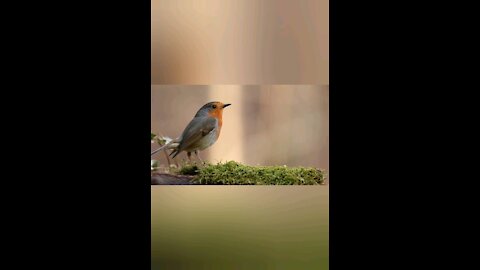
{"x":197,"y":129}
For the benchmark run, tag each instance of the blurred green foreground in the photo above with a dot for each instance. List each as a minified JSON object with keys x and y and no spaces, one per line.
{"x":240,"y":227}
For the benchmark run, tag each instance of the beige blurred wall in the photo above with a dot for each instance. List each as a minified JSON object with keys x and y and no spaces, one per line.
{"x":266,"y":124}
{"x":240,"y":42}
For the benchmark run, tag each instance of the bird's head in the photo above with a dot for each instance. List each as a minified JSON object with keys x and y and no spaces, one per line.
{"x":214,"y":108}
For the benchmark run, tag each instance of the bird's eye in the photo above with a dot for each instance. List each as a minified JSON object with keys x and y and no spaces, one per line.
{"x":214,"y":106}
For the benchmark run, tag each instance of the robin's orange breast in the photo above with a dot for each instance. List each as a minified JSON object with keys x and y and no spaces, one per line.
{"x":218,"y":115}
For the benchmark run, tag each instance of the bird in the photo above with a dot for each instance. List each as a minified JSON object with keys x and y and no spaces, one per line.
{"x":202,"y":131}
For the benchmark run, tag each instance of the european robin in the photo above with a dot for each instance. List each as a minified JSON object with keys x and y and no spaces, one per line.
{"x":201,"y":133}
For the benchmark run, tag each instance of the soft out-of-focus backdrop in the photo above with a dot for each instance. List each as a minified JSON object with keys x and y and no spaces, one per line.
{"x":240,"y":42}
{"x":266,"y":124}
{"x":240,"y":227}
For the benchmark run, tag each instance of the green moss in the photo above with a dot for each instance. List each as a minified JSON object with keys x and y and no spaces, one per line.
{"x":189,"y":170}
{"x":233,"y":173}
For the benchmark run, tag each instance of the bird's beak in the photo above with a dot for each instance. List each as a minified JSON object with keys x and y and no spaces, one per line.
{"x":226,"y":105}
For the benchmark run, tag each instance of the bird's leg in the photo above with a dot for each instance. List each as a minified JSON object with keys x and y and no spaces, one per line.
{"x":189,"y":154}
{"x":198,"y":156}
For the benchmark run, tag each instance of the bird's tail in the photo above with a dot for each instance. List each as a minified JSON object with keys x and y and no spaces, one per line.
{"x":175,"y":152}
{"x":173,"y":144}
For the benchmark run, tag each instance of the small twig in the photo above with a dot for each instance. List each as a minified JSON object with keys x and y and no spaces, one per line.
{"x":166,"y":155}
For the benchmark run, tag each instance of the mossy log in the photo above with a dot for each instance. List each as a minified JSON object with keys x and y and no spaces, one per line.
{"x":233,"y":173}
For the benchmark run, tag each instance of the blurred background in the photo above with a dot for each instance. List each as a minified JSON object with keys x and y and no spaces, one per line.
{"x":270,"y":59}
{"x":265,"y":125}
{"x":240,"y":227}
{"x":205,"y":42}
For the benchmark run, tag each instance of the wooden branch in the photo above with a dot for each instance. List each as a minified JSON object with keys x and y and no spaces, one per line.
{"x":171,"y":179}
